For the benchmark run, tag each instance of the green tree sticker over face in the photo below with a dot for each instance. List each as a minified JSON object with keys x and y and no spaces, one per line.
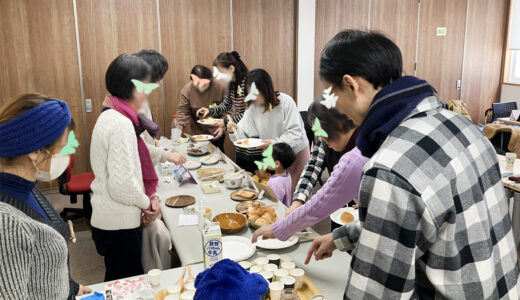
{"x":268,"y":160}
{"x":145,"y":88}
{"x":318,"y":131}
{"x":71,"y":146}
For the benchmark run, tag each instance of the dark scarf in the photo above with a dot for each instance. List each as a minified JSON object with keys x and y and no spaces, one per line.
{"x":390,"y":107}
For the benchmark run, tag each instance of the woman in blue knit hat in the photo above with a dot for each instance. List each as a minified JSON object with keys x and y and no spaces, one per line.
{"x":34,"y":131}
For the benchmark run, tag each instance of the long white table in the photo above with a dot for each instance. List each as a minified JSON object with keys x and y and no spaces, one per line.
{"x":329,"y":275}
{"x":512,"y":191}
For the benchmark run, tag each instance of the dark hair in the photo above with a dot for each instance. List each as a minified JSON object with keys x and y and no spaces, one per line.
{"x":18,"y":106}
{"x":158,"y":63}
{"x":284,"y":154}
{"x":264,"y":84}
{"x":121,"y":71}
{"x":202,"y":72}
{"x":226,"y":59}
{"x":367,"y":54}
{"x":332,"y":121}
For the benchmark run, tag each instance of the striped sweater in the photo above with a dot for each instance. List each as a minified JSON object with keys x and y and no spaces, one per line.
{"x":233,"y":102}
{"x":33,"y":258}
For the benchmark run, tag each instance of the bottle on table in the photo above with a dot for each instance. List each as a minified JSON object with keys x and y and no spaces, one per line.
{"x":176,"y":130}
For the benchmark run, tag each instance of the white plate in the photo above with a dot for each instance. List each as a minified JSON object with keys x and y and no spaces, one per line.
{"x":237,"y":248}
{"x":335,"y":215}
{"x":207,"y":122}
{"x":252,"y":143}
{"x":192,"y":164}
{"x":209,"y":160}
{"x":274,"y":244}
{"x":202,"y":137}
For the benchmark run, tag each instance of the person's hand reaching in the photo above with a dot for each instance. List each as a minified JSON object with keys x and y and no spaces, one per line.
{"x":176,"y":158}
{"x":322,"y":247}
{"x":266,"y":231}
{"x":202,"y":112}
{"x":294,"y":205}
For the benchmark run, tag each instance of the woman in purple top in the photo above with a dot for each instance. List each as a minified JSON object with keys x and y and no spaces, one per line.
{"x":281,"y":181}
{"x":340,"y":188}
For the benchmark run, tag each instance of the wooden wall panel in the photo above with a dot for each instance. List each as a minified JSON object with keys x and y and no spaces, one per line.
{"x":190,"y":35}
{"x":38,"y":54}
{"x":332,"y":16}
{"x":398,"y":20}
{"x":264,"y":33}
{"x":439,"y":58}
{"x":483,"y":55}
{"x":107,"y":29}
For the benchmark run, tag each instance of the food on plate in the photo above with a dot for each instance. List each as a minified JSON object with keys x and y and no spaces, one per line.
{"x":211,"y":159}
{"x":246,"y":194}
{"x":244,"y":142}
{"x":194,"y":150}
{"x":199,"y":137}
{"x":243,"y":207}
{"x":346,"y":218}
{"x":259,"y":216}
{"x":208,"y":120}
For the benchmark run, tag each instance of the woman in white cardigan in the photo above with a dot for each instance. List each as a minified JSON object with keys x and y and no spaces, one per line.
{"x":125,"y":183}
{"x":274,"y":118}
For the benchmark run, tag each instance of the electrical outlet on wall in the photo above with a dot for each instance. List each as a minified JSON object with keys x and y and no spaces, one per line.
{"x":88,"y":105}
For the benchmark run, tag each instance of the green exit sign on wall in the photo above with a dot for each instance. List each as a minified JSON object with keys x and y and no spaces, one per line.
{"x":441,"y":31}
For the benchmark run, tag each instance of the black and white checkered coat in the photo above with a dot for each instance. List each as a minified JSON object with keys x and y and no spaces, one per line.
{"x":434,"y":220}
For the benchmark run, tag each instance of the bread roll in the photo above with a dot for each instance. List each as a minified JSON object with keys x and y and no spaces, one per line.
{"x":260,"y":221}
{"x":257,"y":211}
{"x":253,"y":218}
{"x":269,"y":210}
{"x":268,"y":217}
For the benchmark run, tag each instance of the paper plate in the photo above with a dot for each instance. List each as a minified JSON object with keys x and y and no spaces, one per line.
{"x":192,"y":164}
{"x":274,"y":244}
{"x":208,"y":121}
{"x":248,"y":143}
{"x":335,"y":217}
{"x":209,"y":160}
{"x":202,"y":137}
{"x":237,"y":248}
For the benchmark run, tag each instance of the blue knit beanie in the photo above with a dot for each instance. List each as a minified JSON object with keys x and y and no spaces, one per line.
{"x":34,"y":129}
{"x":228,"y":280}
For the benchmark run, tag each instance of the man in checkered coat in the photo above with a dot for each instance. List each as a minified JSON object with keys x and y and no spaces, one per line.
{"x":434,"y":220}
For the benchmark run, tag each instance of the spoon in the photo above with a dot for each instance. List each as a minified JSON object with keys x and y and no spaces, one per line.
{"x":190,"y":275}
{"x":180,"y":282}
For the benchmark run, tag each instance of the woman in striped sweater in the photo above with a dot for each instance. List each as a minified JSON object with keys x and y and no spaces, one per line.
{"x":230,"y":68}
{"x":33,"y":238}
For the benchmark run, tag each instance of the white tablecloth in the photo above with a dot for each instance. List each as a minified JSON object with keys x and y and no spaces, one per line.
{"x":329,"y":275}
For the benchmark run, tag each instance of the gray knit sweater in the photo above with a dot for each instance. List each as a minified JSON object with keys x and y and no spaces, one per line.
{"x":33,"y":258}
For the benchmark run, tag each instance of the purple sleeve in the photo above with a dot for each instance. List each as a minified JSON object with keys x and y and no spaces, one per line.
{"x":278,"y":188}
{"x":341,"y":187}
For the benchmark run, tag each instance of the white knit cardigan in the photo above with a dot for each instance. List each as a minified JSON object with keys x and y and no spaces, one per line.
{"x":118,"y":191}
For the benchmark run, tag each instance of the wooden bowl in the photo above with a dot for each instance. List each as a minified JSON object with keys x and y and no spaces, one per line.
{"x":230,"y":223}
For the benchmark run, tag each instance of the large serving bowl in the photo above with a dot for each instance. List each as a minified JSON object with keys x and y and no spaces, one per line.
{"x":230,"y":223}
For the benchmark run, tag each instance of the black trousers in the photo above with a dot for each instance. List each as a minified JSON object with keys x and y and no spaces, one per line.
{"x":122,"y":251}
{"x":220,"y":143}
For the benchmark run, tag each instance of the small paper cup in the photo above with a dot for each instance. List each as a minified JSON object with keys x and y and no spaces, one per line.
{"x":245,"y":264}
{"x":298,"y":275}
{"x":174,"y":290}
{"x":187,"y":295}
{"x":280,"y":273}
{"x":261,"y":261}
{"x":274,"y":259}
{"x":268,"y":276}
{"x":288,"y":282}
{"x":255,"y":269}
{"x":190,"y":286}
{"x":154,"y":276}
{"x":286,"y":257}
{"x":275,"y":290}
{"x":270,"y":267}
{"x":288,"y":265}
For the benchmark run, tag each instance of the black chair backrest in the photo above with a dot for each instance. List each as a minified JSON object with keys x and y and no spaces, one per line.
{"x":307,"y":126}
{"x":503,"y":109}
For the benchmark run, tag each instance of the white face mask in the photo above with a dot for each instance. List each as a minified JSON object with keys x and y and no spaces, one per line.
{"x":59,"y":164}
{"x":221,"y":76}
